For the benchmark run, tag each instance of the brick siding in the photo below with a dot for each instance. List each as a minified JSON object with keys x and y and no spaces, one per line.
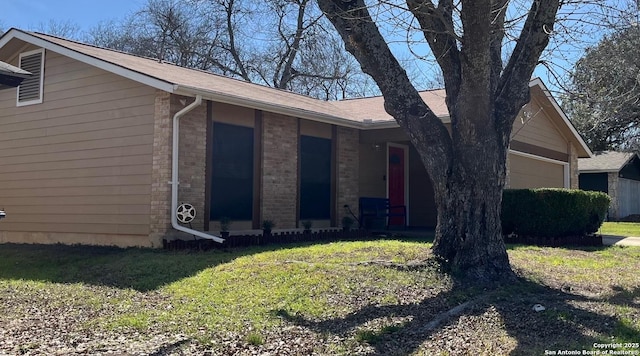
{"x":279,"y":170}
{"x":573,"y":167}
{"x":193,"y":157}
{"x":348,"y":147}
{"x":160,"y":220}
{"x":192,"y":163}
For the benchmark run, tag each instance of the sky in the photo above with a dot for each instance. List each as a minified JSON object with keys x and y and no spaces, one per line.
{"x":86,"y":14}
{"x":29,"y":14}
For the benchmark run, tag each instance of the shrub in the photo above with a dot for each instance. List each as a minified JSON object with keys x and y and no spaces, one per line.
{"x":552,"y":212}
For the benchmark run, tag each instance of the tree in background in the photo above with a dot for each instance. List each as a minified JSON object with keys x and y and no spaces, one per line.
{"x":60,"y":28}
{"x":486,"y":52}
{"x":284,"y":44}
{"x":603,"y":99}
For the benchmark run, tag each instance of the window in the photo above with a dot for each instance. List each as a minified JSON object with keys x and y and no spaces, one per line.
{"x":315,"y":178}
{"x":232,"y":172}
{"x":30,"y":91}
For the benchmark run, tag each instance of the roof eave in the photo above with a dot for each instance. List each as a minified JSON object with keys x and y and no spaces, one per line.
{"x":598,"y":170}
{"x":261,"y":105}
{"x":287,"y":110}
{"x":538,"y":82}
{"x":85,"y":58}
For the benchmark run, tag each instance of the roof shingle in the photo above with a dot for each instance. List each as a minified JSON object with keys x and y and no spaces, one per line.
{"x":605,"y":161}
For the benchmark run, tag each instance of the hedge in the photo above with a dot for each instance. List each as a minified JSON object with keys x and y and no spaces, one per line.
{"x":552,"y":212}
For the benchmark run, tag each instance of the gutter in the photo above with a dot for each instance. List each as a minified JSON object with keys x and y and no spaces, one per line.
{"x":265,"y":106}
{"x":221,"y":97}
{"x":174,"y":173}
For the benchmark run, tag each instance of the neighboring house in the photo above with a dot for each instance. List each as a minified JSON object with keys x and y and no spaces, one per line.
{"x":87,"y":154}
{"x":617,"y":174}
{"x":11,"y":76}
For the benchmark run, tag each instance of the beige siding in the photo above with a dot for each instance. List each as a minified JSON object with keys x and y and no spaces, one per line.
{"x":422,"y":205}
{"x":527,"y":172}
{"x":316,"y":129}
{"x":373,"y":170}
{"x":80,"y":162}
{"x":536,"y":128}
{"x":234,"y":115}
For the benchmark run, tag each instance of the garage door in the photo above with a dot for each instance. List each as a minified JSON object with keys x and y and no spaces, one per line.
{"x":629,"y":198}
{"x":527,"y":172}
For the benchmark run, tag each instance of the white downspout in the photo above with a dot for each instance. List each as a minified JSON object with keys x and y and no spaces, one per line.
{"x":174,"y":173}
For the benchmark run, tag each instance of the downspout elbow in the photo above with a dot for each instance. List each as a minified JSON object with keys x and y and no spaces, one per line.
{"x":174,"y":173}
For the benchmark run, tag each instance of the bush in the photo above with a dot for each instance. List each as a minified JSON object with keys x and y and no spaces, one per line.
{"x":552,"y":212}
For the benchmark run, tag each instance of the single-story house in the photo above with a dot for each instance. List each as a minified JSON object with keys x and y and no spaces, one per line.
{"x":11,"y":76}
{"x":88,"y":151}
{"x":617,"y":174}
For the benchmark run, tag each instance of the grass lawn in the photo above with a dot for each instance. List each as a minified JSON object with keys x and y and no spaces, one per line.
{"x":620,"y":229}
{"x":372,"y":297}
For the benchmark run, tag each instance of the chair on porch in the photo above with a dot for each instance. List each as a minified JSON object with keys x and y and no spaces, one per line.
{"x":377,"y":212}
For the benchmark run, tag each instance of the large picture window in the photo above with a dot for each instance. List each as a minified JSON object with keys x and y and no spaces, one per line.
{"x":232,"y":172}
{"x":315,"y":178}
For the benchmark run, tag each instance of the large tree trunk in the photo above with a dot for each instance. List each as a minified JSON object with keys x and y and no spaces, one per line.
{"x":468,"y":234}
{"x":467,"y":167}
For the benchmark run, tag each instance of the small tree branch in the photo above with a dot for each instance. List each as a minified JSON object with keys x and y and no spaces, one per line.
{"x":513,"y":88}
{"x":402,"y":101}
{"x":438,"y":30}
{"x":232,"y":43}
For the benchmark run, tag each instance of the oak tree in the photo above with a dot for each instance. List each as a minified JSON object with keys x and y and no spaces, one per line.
{"x":484,"y":94}
{"x":603,"y":99}
{"x":286,"y":44}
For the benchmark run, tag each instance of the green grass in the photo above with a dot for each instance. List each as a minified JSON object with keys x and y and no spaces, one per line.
{"x":620,"y":229}
{"x":252,"y":291}
{"x":591,"y":266}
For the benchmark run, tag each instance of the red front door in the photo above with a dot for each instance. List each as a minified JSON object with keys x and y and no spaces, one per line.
{"x":396,"y":181}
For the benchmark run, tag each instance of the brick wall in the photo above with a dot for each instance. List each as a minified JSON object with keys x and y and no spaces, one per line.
{"x":507,"y":178}
{"x":193,"y":157}
{"x":612,"y":181}
{"x":573,"y":167}
{"x":279,"y":169}
{"x":348,"y":170}
{"x":160,"y":220}
{"x":192,"y":163}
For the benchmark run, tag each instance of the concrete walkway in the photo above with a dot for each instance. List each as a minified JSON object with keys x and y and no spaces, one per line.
{"x":610,"y":240}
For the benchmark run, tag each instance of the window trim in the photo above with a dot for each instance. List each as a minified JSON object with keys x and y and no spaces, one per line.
{"x":41,"y":94}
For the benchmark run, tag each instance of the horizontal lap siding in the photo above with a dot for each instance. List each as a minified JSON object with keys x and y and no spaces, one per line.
{"x":80,"y":162}
{"x":538,"y":129}
{"x":527,"y":172}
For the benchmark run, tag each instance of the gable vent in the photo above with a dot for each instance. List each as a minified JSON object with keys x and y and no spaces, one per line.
{"x":30,"y":91}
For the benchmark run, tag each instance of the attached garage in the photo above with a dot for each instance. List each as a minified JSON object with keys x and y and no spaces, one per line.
{"x":529,"y":171}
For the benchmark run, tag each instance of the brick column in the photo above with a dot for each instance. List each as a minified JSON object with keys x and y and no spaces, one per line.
{"x":279,"y":170}
{"x":507,"y":178}
{"x":612,"y":183}
{"x":192,"y":164}
{"x":573,"y":167}
{"x":348,"y":147}
{"x":193,"y":157}
{"x":160,"y":218}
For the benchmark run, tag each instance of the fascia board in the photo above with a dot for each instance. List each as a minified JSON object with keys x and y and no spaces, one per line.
{"x":538,"y":82}
{"x":90,"y":60}
{"x":260,"y":105}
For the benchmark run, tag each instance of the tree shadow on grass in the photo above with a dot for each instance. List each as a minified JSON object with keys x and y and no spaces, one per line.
{"x":140,"y":269}
{"x":492,"y":319}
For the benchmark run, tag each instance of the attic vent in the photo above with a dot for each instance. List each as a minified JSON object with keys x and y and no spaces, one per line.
{"x":30,"y":91}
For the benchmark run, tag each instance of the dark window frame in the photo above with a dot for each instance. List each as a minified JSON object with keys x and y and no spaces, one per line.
{"x":316,"y":174}
{"x":232,"y":172}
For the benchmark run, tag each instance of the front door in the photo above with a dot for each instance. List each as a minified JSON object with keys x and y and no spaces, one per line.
{"x":396,"y":180}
